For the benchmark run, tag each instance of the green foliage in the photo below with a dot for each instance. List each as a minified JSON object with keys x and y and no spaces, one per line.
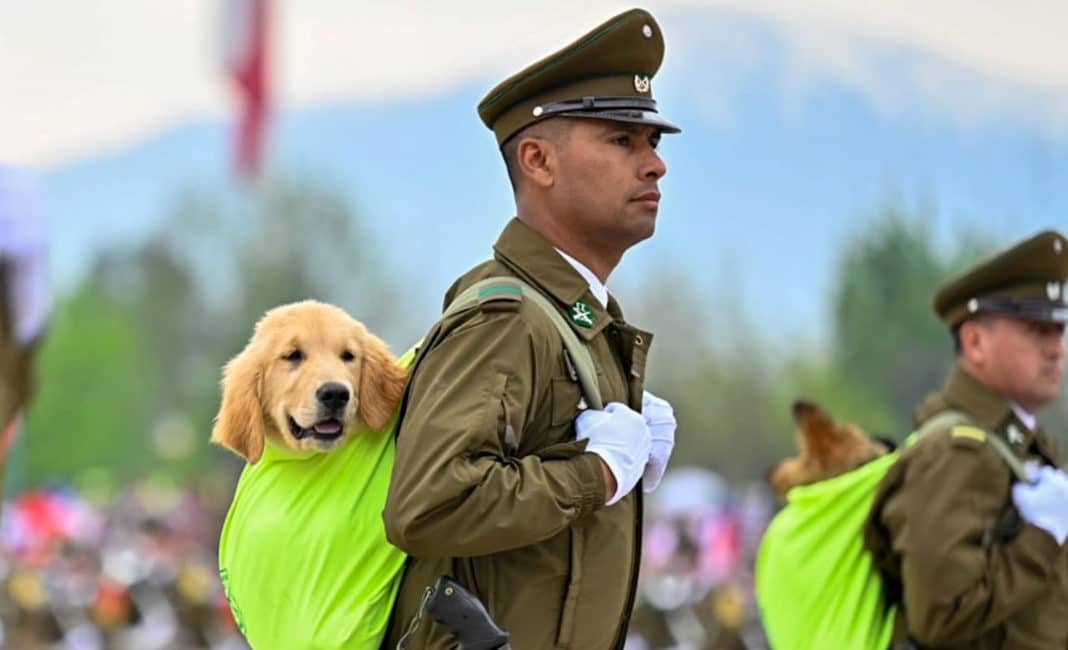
{"x":708,"y":361}
{"x":130,"y":368}
{"x":887,"y":341}
{"x":98,"y":393}
{"x":732,"y":390}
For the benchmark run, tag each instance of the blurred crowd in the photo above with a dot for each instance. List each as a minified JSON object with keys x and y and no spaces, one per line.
{"x":696,"y":585}
{"x":137,"y":570}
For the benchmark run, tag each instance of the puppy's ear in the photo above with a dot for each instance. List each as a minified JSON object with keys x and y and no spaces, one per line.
{"x":804,"y":409}
{"x":381,"y":384}
{"x":786,"y":476}
{"x":239,"y":426}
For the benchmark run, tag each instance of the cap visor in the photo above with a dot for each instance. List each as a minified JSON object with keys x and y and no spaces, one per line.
{"x":633,"y":116}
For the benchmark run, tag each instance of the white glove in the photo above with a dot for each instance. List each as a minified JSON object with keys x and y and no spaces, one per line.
{"x":1044,"y":503}
{"x":660,"y":418}
{"x":620,"y":437}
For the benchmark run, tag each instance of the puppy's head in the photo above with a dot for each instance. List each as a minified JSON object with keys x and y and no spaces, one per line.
{"x":827,"y":449}
{"x":309,"y":377}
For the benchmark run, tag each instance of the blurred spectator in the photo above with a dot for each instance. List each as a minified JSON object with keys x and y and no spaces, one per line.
{"x":137,"y":573}
{"x":23,"y":297}
{"x":695,"y":590}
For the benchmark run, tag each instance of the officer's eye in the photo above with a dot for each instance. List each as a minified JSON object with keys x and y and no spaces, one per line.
{"x":622,"y":140}
{"x":1043,"y":329}
{"x":654,"y":140}
{"x":296,"y":356}
{"x":347,"y":356}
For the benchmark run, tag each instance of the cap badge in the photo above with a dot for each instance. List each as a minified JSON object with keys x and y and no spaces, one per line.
{"x":1057,"y":246}
{"x":1053,"y":290}
{"x":973,"y":306}
{"x":647,"y":31}
{"x":641,"y":83}
{"x":581,"y":314}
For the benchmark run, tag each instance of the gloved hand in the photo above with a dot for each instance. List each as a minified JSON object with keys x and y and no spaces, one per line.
{"x":1044,"y":503}
{"x":621,"y":438}
{"x":660,"y":418}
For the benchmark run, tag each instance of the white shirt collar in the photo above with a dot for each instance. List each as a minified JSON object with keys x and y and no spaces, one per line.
{"x":598,"y":288}
{"x":1028,"y":419}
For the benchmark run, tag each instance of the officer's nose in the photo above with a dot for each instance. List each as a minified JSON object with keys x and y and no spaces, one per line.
{"x":655,"y":168}
{"x":1053,"y":340}
{"x":332,"y":395}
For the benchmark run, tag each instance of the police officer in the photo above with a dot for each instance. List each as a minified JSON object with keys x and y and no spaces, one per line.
{"x":24,"y":304}
{"x":973,"y":552}
{"x":502,"y":480}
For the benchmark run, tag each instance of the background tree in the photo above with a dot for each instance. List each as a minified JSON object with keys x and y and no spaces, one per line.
{"x":132,"y":363}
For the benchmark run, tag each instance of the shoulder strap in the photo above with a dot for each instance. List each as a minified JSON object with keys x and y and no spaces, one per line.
{"x":500,"y":287}
{"x":951,"y":418}
{"x":943,"y":420}
{"x":1011,"y":459}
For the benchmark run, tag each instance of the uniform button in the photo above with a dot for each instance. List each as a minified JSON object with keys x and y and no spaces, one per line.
{"x":638,"y":340}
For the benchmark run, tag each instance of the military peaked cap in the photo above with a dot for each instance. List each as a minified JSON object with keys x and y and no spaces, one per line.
{"x":605,"y":74}
{"x":1026,"y":281}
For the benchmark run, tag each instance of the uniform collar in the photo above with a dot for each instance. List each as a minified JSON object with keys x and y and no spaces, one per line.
{"x":1028,"y":419}
{"x":991,"y":412}
{"x":597,"y":288}
{"x":533,"y":258}
{"x":964,"y":392}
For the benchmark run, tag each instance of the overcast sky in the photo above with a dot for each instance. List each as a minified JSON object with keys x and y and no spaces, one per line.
{"x":82,"y":78}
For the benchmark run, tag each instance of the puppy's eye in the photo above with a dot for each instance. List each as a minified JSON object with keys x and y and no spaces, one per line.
{"x":296,"y":356}
{"x":347,"y":356}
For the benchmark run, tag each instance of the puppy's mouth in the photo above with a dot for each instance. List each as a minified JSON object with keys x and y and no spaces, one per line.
{"x":325,"y":430}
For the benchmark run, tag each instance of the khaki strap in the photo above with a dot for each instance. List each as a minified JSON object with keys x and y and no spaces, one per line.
{"x":950,"y":418}
{"x":1010,"y":459}
{"x":576,"y":350}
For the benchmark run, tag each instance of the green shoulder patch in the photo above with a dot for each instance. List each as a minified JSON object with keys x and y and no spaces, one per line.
{"x":966,"y":432}
{"x":497,"y":296}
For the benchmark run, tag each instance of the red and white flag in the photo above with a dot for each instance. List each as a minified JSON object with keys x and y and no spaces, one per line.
{"x":246,"y":47}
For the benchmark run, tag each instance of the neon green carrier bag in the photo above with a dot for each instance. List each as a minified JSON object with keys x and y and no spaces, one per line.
{"x":817,"y":586}
{"x":303,"y":554}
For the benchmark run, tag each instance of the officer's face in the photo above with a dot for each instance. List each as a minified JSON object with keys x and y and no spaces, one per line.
{"x":605,"y":187}
{"x":1022,"y":360}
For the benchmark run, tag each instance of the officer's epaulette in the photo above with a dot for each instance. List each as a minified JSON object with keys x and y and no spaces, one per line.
{"x":975,"y":437}
{"x":970,"y":433}
{"x":503,"y":295}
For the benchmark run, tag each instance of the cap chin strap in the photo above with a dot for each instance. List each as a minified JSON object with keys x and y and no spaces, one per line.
{"x":596,"y":104}
{"x":1031,"y":309}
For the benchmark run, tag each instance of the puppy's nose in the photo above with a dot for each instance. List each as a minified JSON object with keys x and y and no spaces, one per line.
{"x":332,"y":395}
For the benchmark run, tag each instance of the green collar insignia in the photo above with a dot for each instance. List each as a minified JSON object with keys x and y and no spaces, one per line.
{"x":582,"y":314}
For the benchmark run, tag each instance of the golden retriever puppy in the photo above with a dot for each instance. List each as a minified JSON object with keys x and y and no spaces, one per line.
{"x":828,"y":449}
{"x":310,"y":376}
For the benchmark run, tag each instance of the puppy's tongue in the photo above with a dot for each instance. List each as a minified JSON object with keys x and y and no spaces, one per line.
{"x":330,"y":426}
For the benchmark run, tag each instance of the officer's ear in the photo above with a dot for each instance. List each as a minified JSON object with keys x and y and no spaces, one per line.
{"x":537,"y":161}
{"x":973,"y":336}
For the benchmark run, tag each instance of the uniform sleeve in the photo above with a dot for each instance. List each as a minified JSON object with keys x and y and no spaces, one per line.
{"x":954,"y":588}
{"x":455,"y":490}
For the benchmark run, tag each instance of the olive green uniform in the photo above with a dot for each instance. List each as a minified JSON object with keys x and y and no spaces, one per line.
{"x":16,"y":362}
{"x":930,"y":517}
{"x":490,"y":484}
{"x":17,"y":380}
{"x":967,"y":571}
